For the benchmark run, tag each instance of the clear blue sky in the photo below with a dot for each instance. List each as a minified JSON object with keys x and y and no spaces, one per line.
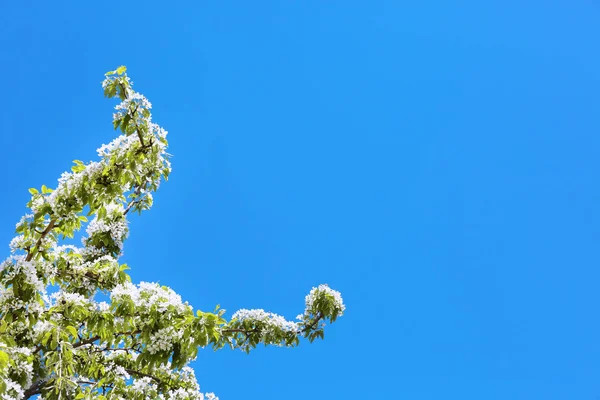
{"x":437,"y":163}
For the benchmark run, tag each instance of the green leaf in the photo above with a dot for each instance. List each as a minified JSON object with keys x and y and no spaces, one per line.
{"x":46,"y":338}
{"x":125,"y":122}
{"x":33,"y":191}
{"x":3,"y":360}
{"x":121,"y":70}
{"x":78,"y":167}
{"x":72,"y":330}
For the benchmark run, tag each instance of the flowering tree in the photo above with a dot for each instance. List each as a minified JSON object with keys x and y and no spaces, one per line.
{"x":57,"y":341}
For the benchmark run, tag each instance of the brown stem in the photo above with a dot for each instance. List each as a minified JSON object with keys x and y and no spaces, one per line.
{"x":39,"y":241}
{"x":311,"y":326}
{"x":133,"y":202}
{"x":137,"y":129}
{"x":34,"y":389}
{"x":143,"y":375}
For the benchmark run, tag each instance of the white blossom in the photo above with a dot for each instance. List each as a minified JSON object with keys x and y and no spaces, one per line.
{"x":324,"y":289}
{"x":271,"y":319}
{"x":163,"y":340}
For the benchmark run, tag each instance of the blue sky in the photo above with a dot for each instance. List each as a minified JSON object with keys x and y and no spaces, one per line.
{"x":436,"y":162}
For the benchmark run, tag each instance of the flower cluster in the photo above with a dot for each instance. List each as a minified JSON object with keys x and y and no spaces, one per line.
{"x":324,"y":293}
{"x":117,"y":147}
{"x":13,"y":390}
{"x":20,"y":370}
{"x":270,"y":319}
{"x":68,"y":187}
{"x":163,"y":340}
{"x":18,"y":267}
{"x":112,"y":227}
{"x":74,"y":299}
{"x":147,"y":296}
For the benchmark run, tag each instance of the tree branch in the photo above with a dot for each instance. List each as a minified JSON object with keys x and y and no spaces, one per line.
{"x":39,"y":241}
{"x":312,"y":326}
{"x":137,"y":129}
{"x":34,"y":389}
{"x":137,"y":191}
{"x":144,"y":375}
